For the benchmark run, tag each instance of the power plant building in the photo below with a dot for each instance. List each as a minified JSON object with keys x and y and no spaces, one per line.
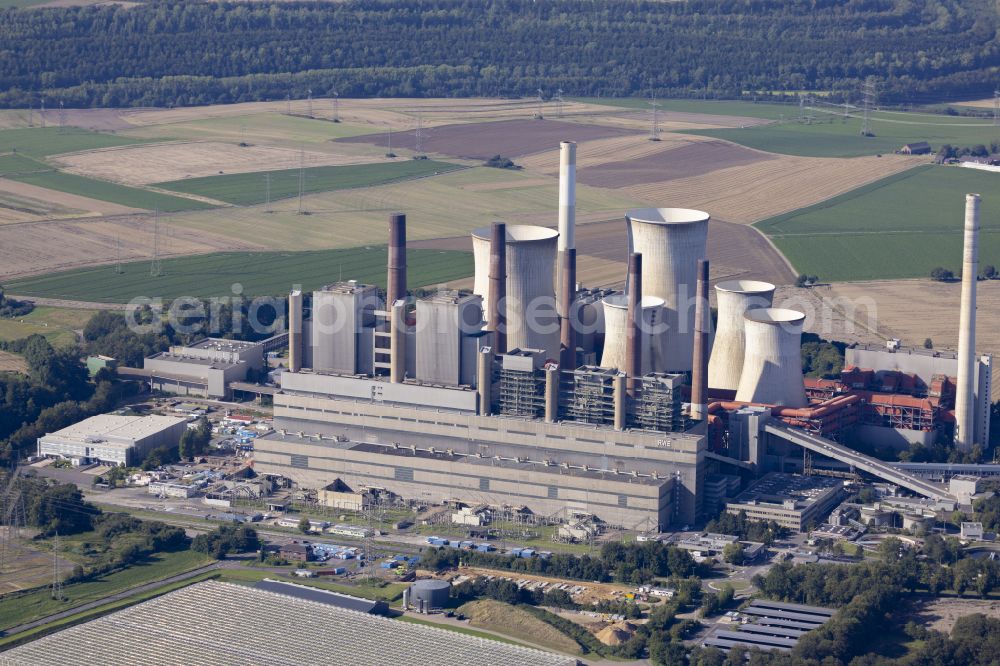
{"x":112,"y":439}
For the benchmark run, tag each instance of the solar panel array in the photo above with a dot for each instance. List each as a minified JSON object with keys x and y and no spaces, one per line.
{"x":223,"y":624}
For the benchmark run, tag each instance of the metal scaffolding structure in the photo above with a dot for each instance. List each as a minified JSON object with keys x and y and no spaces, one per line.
{"x":659,"y":404}
{"x":592,"y":398}
{"x":522,"y":392}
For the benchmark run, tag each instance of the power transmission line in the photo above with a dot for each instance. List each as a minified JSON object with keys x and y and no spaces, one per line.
{"x":418,"y":134}
{"x":118,"y":255}
{"x":302,"y":175}
{"x":559,"y":103}
{"x":62,"y":116}
{"x":541,"y":100}
{"x":336,"y":106}
{"x":154,"y":267}
{"x":42,"y":112}
{"x":57,"y":587}
{"x":654,"y":129}
{"x":309,"y":102}
{"x":267,"y":193}
{"x":996,"y":107}
{"x":868,"y":92}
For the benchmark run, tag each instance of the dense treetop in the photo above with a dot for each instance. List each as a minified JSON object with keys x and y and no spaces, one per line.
{"x":187,"y":53}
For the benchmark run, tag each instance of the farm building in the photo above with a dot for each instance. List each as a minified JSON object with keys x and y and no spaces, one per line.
{"x":112,"y":439}
{"x":224,"y":623}
{"x":918,"y":148}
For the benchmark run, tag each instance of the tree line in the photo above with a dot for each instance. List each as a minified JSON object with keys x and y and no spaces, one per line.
{"x":166,"y":53}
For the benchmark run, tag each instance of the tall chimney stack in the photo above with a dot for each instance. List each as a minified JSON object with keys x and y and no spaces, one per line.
{"x":295,"y":331}
{"x":567,"y":211}
{"x":567,"y":337}
{"x":699,"y":364}
{"x":498,"y":287}
{"x":396,"y":287}
{"x":633,"y":336}
{"x":964,"y":406}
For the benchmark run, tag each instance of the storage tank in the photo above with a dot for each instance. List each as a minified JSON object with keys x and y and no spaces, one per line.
{"x":734,"y":297}
{"x":616,"y":331}
{"x":532,"y":322}
{"x":671,"y":241}
{"x":433,"y":593}
{"x":772,"y":361}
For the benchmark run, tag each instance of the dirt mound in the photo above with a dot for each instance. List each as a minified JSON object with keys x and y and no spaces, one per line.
{"x":616,"y":634}
{"x":516,"y":623}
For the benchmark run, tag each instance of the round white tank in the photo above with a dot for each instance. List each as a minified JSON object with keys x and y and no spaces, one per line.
{"x":532,"y":322}
{"x":734,"y":297}
{"x":671,"y":241}
{"x":616,"y":331}
{"x":772,"y":362}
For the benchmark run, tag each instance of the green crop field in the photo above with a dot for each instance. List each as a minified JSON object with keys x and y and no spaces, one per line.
{"x":45,"y":141}
{"x":254,"y":128}
{"x":15,"y":164}
{"x":902,"y":226}
{"x":835,"y":136}
{"x":104,"y":191}
{"x":763,"y":110}
{"x":259,"y":273}
{"x":247,"y":189}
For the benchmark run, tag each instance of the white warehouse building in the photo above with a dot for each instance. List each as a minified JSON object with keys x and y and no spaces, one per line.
{"x":112,"y":439}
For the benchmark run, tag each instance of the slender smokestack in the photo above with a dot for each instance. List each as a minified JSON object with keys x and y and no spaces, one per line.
{"x":633,"y":336}
{"x":498,"y":287}
{"x":295,"y":331}
{"x":397,"y":341}
{"x":699,"y":364}
{"x":396,"y":288}
{"x":552,"y":393}
{"x":567,"y":207}
{"x":484,"y":380}
{"x":567,"y":292}
{"x":964,"y":407}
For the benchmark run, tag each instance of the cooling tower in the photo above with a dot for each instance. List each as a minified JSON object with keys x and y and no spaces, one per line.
{"x":964,"y":407}
{"x":671,"y":241}
{"x":734,"y":297}
{"x":532,"y":322}
{"x":616,"y":331}
{"x":772,"y":361}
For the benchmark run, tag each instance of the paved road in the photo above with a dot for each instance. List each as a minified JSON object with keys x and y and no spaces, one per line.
{"x":115,"y":597}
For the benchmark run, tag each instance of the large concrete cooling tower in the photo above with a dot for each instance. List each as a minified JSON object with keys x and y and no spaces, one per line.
{"x":671,"y":241}
{"x":616,"y":325}
{"x":734,"y":297}
{"x":772,"y":362}
{"x":531,"y":300}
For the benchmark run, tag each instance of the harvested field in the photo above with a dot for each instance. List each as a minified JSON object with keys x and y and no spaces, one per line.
{"x":396,"y":113}
{"x":510,"y":138}
{"x":23,"y":201}
{"x":746,"y":194}
{"x":443,"y":206}
{"x":913,"y":310}
{"x":597,"y":152}
{"x":42,"y":247}
{"x":142,"y":165}
{"x":687,"y":161}
{"x":941,"y":614}
{"x":98,"y":120}
{"x":259,"y":128}
{"x":516,"y":623}
{"x":12,"y":363}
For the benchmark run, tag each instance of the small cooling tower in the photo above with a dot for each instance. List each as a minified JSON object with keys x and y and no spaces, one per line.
{"x":772,"y":362}
{"x":735,"y":298}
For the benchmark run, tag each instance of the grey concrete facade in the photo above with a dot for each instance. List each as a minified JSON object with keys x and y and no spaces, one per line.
{"x":548,"y":467}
